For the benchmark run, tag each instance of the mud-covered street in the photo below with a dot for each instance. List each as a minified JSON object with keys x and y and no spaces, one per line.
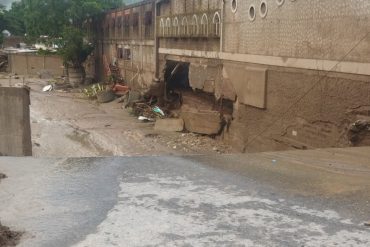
{"x":66,"y":124}
{"x":230,"y":200}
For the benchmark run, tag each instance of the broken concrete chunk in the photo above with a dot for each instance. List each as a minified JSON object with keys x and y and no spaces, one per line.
{"x":169,"y":124}
{"x":202,"y":122}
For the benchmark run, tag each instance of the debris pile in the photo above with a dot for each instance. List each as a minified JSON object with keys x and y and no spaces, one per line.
{"x":7,"y":237}
{"x":3,"y":62}
{"x":359,"y":133}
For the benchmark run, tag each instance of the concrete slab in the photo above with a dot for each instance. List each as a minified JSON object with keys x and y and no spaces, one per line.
{"x":169,"y":124}
{"x":234,"y":200}
{"x":15,"y":129}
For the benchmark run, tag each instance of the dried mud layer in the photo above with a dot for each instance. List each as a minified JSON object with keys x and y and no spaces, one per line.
{"x":7,"y":237}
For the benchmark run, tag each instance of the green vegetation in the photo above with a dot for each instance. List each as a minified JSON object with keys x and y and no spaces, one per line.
{"x":61,"y":21}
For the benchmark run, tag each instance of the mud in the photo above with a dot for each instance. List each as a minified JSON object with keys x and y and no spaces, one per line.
{"x":8,"y":238}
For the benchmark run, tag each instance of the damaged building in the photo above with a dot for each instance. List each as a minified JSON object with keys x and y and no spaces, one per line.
{"x":260,"y":74}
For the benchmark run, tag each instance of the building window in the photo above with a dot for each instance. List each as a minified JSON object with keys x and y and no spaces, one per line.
{"x":119,"y":53}
{"x":204,"y":25}
{"x":135,"y":23}
{"x":176,"y":27}
{"x":252,"y":13}
{"x":263,"y":9}
{"x":119,"y":26}
{"x":195,"y":26}
{"x":168,"y":27}
{"x":162,"y":28}
{"x":234,"y":6}
{"x":280,"y":2}
{"x":123,"y":53}
{"x":184,"y":26}
{"x":126,"y":26}
{"x":148,"y":22}
{"x":216,"y":24}
{"x":113,"y":28}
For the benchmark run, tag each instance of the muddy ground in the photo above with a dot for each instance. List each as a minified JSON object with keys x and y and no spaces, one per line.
{"x":66,"y":124}
{"x":7,"y":237}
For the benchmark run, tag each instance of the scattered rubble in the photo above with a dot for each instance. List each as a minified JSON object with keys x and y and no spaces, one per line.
{"x":359,"y":133}
{"x":3,"y":61}
{"x":191,"y":143}
{"x":8,"y":238}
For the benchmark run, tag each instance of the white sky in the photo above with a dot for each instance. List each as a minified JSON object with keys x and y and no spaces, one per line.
{"x":7,"y":3}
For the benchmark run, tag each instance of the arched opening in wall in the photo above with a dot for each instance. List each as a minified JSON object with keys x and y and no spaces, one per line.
{"x":204,"y":26}
{"x":176,"y":27}
{"x":252,"y":13}
{"x":194,"y":26}
{"x":168,"y":27}
{"x":234,"y":6}
{"x":184,"y":26}
{"x":216,"y":23}
{"x":162,"y":28}
{"x":280,"y":2}
{"x":263,"y":9}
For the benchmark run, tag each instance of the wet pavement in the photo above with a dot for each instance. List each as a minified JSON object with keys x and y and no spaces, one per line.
{"x":233,"y":200}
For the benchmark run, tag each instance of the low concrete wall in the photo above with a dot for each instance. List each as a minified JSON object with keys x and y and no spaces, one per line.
{"x":32,"y":64}
{"x":15,"y":129}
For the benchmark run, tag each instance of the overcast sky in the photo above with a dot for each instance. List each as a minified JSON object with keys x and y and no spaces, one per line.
{"x":7,"y":3}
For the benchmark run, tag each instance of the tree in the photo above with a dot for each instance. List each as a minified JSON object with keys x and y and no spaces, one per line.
{"x":2,"y":23}
{"x":14,"y":18}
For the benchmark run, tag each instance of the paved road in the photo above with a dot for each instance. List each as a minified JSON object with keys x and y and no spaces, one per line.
{"x":184,"y":201}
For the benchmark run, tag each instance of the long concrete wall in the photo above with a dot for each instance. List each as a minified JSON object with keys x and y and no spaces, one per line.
{"x":15,"y":130}
{"x":32,"y":64}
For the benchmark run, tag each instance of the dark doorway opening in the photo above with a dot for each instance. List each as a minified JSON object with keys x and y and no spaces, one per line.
{"x":177,"y":76}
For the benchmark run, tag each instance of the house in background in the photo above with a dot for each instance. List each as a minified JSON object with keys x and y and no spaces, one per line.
{"x":283,"y":74}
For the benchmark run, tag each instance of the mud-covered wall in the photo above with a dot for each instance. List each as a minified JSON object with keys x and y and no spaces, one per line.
{"x":304,"y":109}
{"x":126,"y":39}
{"x":32,"y":64}
{"x":15,"y":130}
{"x":279,"y":108}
